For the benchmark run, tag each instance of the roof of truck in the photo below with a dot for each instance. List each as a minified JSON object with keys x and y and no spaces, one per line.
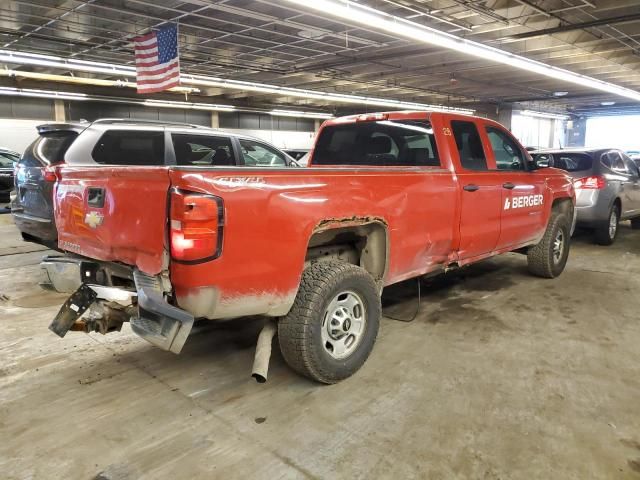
{"x":397,"y":115}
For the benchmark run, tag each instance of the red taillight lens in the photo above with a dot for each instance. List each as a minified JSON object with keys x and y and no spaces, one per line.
{"x":594,"y":182}
{"x":49,"y":174}
{"x":196,"y":226}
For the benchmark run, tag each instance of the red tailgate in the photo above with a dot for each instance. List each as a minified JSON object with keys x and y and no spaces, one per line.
{"x":114,"y":214}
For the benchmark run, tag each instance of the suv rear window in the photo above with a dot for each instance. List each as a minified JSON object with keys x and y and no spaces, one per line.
{"x":572,"y":162}
{"x":393,"y":143}
{"x":130,"y":147}
{"x":48,"y":149}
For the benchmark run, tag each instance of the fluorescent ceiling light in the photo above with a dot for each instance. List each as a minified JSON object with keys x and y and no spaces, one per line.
{"x":206,"y":81}
{"x":532,"y":113}
{"x":353,"y":13}
{"x":295,"y":113}
{"x":189,"y":105}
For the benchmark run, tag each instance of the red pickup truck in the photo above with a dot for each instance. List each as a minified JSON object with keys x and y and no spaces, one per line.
{"x":387,"y":197}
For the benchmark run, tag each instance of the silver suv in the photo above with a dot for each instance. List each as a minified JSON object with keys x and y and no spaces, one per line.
{"x":607,"y":184}
{"x":122,"y":142}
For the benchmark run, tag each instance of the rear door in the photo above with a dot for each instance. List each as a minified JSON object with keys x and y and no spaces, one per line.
{"x":523,"y":191}
{"x":481,"y":193}
{"x":116,"y":210}
{"x":634,"y":184}
{"x":623,"y":177}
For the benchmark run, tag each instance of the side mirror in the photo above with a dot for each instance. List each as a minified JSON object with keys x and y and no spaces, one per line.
{"x":538,"y":164}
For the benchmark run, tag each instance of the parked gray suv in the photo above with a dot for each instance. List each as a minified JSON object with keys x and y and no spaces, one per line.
{"x":607,"y":184}
{"x":122,"y":142}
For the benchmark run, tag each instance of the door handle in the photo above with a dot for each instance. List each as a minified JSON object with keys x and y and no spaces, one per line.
{"x":471,"y":187}
{"x":508,"y":186}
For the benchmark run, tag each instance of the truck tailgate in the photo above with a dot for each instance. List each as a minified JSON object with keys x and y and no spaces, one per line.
{"x":114,"y":214}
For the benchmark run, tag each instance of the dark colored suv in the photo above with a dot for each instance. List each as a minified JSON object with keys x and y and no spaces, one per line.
{"x":122,"y":142}
{"x":8,"y":160}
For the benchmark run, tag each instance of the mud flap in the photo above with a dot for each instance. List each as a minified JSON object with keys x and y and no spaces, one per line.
{"x":73,"y":308}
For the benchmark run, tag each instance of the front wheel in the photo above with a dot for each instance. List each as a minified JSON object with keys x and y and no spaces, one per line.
{"x":606,"y":232}
{"x":548,"y":258}
{"x":330,"y":331}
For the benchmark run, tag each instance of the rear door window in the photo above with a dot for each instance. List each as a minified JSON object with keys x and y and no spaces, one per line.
{"x":631,"y":165}
{"x":130,"y":147}
{"x":202,"y":150}
{"x":470,"y":150}
{"x":614,"y":161}
{"x":395,"y":143}
{"x":507,"y":153}
{"x":256,"y":154}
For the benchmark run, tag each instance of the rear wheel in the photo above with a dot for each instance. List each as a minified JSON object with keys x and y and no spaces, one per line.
{"x":333,"y":324}
{"x":635,"y":223}
{"x":548,"y":258}
{"x":605,"y":233}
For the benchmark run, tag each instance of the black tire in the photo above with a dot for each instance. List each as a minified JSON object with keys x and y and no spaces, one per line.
{"x":635,"y":223}
{"x":602,"y":233}
{"x":541,"y":258}
{"x":300,"y":332}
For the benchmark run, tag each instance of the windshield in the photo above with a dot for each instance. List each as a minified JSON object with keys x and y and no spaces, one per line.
{"x":378,"y":143}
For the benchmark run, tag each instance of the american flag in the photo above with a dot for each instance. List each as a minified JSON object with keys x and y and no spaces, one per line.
{"x":157,"y":61}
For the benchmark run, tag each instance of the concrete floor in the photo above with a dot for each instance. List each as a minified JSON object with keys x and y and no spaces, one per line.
{"x":501,"y":376}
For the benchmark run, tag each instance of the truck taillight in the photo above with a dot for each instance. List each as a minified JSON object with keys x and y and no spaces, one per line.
{"x":196,"y":226}
{"x":594,"y":182}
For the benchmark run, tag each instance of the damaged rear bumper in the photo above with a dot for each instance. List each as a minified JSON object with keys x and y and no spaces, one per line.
{"x":107,"y":306}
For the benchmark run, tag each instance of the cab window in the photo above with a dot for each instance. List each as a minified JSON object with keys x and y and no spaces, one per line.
{"x":388,"y":143}
{"x":506,"y":151}
{"x":257,"y":154}
{"x":469,"y":145}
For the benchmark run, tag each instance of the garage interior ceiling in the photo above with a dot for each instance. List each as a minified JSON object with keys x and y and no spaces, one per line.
{"x":279,"y":43}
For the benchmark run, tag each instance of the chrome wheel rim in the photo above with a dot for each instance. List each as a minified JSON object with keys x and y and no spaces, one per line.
{"x":558,"y":246}
{"x":613,"y":224}
{"x":343,"y":324}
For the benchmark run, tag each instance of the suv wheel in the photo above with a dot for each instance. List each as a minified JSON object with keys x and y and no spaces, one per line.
{"x":606,"y":232}
{"x":548,"y":258}
{"x":635,"y":223}
{"x":333,"y":324}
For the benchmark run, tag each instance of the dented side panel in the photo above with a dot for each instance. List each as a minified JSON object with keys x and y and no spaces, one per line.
{"x":270,"y":217}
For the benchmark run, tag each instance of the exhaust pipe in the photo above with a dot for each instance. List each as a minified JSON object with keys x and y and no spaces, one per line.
{"x":263,"y":352}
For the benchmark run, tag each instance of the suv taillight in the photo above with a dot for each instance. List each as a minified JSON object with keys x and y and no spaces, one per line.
{"x":49,"y":174}
{"x":196,"y":226}
{"x":594,"y":182}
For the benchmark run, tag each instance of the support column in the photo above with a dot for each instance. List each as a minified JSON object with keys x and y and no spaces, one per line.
{"x":58,"y":111}
{"x":215,"y":120}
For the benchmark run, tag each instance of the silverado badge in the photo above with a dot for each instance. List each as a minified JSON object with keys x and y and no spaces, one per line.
{"x":93,"y":219}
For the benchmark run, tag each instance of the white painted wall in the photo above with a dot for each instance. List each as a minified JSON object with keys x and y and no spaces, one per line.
{"x":16,"y":135}
{"x":613,"y":132}
{"x":281,"y":139}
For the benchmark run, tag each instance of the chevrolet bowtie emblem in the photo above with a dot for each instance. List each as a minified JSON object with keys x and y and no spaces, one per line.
{"x":93,"y":219}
